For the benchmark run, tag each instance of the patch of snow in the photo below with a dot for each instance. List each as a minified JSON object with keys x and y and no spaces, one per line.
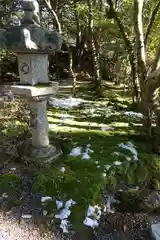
{"x":47,"y":198}
{"x":59,"y":204}
{"x":90,"y":222}
{"x":4,"y":195}
{"x":77,"y":151}
{"x":133,"y":114}
{"x":67,"y":103}
{"x":106,"y":128}
{"x":107,"y":167}
{"x":62,"y":169}
{"x":128,"y":159}
{"x":116,"y":154}
{"x":69,"y":203}
{"x":64,"y":225}
{"x":85,"y":156}
{"x":94,"y":211}
{"x":26,"y":216}
{"x":130,"y":147}
{"x":45,"y":213}
{"x":65,"y":213}
{"x":117,"y":163}
{"x":88,"y":149}
{"x":120,"y":190}
{"x":93,"y":215}
{"x":12,"y":169}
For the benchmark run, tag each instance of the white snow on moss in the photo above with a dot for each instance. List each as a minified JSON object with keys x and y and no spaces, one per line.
{"x":62,"y":169}
{"x":78,"y":151}
{"x":5,"y":195}
{"x":66,"y":103}
{"x":130,"y":147}
{"x":133,"y":114}
{"x":117,"y":163}
{"x":93,"y":215}
{"x":47,"y":198}
{"x":64,"y":213}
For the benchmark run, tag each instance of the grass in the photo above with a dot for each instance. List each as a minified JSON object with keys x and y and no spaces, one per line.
{"x":103,"y":124}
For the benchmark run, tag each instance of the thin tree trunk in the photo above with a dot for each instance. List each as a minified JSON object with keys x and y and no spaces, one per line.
{"x":50,"y":7}
{"x":72,"y":73}
{"x":140,"y":47}
{"x":78,"y":36}
{"x":93,"y":47}
{"x":48,"y":3}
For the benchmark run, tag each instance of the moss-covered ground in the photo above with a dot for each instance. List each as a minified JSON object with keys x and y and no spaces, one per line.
{"x":104,"y":125}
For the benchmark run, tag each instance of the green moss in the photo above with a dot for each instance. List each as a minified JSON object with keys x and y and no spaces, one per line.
{"x":10,"y":184}
{"x":83,"y":179}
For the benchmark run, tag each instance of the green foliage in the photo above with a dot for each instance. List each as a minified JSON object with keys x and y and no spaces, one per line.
{"x":13,"y":119}
{"x":10,"y":184}
{"x":81,"y":182}
{"x":5,"y":55}
{"x":8,"y":65}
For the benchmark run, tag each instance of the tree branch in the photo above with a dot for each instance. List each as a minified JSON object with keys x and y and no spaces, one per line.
{"x":151,"y":22}
{"x":48,"y":3}
{"x":155,"y":72}
{"x":121,"y":27}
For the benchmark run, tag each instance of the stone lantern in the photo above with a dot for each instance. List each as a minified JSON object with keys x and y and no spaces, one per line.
{"x":32,"y":44}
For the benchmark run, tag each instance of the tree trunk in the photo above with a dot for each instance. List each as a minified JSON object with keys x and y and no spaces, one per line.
{"x":149,"y":103}
{"x":95,"y":61}
{"x":147,"y":110}
{"x":79,"y":38}
{"x":55,"y":17}
{"x":138,"y":28}
{"x":72,"y":73}
{"x":132,"y":59}
{"x":156,"y":105}
{"x":135,"y":81}
{"x":48,"y":3}
{"x":147,"y":86}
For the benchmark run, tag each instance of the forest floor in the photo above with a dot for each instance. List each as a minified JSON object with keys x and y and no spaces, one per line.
{"x":107,"y":173}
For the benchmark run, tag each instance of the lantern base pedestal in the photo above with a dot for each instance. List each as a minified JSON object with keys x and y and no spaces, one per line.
{"x":41,"y":156}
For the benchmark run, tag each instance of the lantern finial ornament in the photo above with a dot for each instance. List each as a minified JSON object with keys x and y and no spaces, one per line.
{"x":31,"y":11}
